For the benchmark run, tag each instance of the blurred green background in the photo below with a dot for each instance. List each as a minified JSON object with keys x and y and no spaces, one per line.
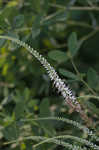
{"x":66,"y":33}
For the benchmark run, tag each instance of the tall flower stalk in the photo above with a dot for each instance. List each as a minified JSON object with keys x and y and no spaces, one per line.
{"x":62,"y":88}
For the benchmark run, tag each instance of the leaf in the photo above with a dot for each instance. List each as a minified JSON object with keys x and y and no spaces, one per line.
{"x":45,"y":112}
{"x":36,"y":6}
{"x":2,"y":42}
{"x":5,"y":69}
{"x":92,"y":107}
{"x":44,"y":108}
{"x":7,"y":13}
{"x":58,"y":16}
{"x":73,"y":44}
{"x":35,"y":32}
{"x":3,"y":25}
{"x":58,"y":56}
{"x":36,"y":26}
{"x":19,"y":109}
{"x":14,"y":35}
{"x":26,"y":94}
{"x":6,"y":100}
{"x":45,"y":5}
{"x":11,"y":132}
{"x":68,"y":74}
{"x":92,"y":78}
{"x":13,"y":46}
{"x":18,"y":21}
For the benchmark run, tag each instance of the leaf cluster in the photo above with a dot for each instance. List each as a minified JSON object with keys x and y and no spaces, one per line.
{"x":66,"y":33}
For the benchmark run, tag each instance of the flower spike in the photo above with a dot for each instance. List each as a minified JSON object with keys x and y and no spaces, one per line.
{"x":67,"y":94}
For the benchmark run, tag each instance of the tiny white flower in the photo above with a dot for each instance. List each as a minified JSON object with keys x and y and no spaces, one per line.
{"x":58,"y":83}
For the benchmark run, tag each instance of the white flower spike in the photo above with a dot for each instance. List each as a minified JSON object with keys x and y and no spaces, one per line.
{"x":59,"y":84}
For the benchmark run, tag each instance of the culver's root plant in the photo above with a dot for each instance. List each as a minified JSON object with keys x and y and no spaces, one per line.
{"x":65,"y":91}
{"x":59,"y":84}
{"x":69,"y":99}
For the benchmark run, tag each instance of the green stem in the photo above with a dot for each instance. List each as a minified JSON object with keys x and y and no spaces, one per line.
{"x":82,"y":40}
{"x":88,"y":96}
{"x":90,"y":89}
{"x":81,"y":79}
{"x":75,"y":8}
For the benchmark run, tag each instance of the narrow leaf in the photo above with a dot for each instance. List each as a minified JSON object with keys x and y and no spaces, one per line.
{"x":93,"y":78}
{"x":18,"y":21}
{"x":58,"y":56}
{"x":73,"y":44}
{"x":2,"y":41}
{"x":68,"y":74}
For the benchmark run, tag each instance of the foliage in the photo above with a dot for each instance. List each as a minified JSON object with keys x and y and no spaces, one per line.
{"x":32,"y":114}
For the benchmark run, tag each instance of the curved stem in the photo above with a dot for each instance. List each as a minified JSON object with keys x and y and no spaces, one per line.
{"x":89,"y":96}
{"x":78,"y":73}
{"x":75,"y":8}
{"x":67,"y":94}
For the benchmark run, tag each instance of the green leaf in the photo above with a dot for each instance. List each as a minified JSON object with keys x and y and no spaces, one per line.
{"x":58,"y":16}
{"x":68,"y":74}
{"x":73,"y":44}
{"x":19,"y":109}
{"x":36,"y":5}
{"x":2,"y":41}
{"x":7,"y":13}
{"x":18,"y":21}
{"x":44,"y":108}
{"x":11,"y":132}
{"x":35,"y":32}
{"x":36,"y":26}
{"x":58,"y":56}
{"x":45,"y":6}
{"x":92,"y":78}
{"x":92,"y":107}
{"x":3,"y":25}
{"x":45,"y":112}
{"x":13,"y":46}
{"x":26,"y":94}
{"x":14,"y":35}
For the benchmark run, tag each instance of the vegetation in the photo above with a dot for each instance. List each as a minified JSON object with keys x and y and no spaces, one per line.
{"x":48,"y":48}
